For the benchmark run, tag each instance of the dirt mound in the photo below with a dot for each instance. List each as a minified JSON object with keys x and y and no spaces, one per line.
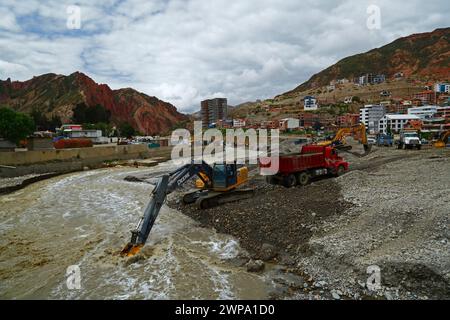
{"x":280,"y":217}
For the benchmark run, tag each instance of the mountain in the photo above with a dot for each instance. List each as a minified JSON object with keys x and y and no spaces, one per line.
{"x":57,"y":95}
{"x":424,"y":55}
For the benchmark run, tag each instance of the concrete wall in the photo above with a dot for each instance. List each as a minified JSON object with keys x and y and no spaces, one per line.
{"x":102,"y":153}
{"x":68,"y":160}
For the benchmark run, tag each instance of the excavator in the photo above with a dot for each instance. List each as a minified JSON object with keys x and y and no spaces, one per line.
{"x":357,"y":131}
{"x":443,"y":140}
{"x":218,"y":185}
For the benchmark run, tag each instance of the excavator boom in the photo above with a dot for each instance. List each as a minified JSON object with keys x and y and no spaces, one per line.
{"x":167,"y":184}
{"x":358,"y":132}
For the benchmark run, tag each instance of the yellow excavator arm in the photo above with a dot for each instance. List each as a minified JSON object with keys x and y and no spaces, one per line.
{"x":441,"y":143}
{"x":358,"y":132}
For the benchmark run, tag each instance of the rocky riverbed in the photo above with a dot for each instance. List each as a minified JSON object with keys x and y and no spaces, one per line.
{"x":380,"y":231}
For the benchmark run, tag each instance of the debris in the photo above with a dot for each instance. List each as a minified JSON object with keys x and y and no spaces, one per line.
{"x":268,"y":252}
{"x":255,"y":266}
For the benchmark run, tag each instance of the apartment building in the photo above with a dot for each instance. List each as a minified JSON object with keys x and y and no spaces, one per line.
{"x":395,"y":122}
{"x":370,"y":116}
{"x":425,"y":112}
{"x":347,"y":120}
{"x":213,"y":110}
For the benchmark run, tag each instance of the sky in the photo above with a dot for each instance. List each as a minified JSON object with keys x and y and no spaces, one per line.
{"x":185,"y":51}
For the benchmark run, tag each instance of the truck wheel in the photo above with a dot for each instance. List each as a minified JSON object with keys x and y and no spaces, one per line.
{"x":289,"y":181}
{"x":271,"y":180}
{"x":339,"y":171}
{"x":303,"y":178}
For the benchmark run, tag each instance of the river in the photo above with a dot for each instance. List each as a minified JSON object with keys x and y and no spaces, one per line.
{"x":85,"y":218}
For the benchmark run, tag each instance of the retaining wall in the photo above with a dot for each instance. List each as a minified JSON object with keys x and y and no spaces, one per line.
{"x":104,"y":152}
{"x":67,"y":160}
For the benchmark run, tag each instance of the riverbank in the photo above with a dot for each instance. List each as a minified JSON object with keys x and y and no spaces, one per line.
{"x":18,"y":176}
{"x":20,"y":163}
{"x":390,"y":212}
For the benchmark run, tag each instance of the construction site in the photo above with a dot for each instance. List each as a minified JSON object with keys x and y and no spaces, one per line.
{"x":341,"y":219}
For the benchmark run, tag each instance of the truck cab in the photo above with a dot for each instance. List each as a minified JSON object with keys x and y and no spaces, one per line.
{"x":409,"y":140}
{"x":384,"y":140}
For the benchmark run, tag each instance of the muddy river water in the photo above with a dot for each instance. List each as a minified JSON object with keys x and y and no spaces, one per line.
{"x":85,"y":218}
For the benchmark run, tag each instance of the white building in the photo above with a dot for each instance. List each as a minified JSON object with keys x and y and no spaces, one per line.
{"x":425,"y":112}
{"x":370,"y":116}
{"x":442,"y":87}
{"x":395,"y":122}
{"x":289,"y":124}
{"x":348,"y":100}
{"x":238,"y":123}
{"x":310,"y":103}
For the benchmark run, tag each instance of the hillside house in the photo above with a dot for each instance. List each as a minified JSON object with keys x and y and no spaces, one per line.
{"x":310,"y":103}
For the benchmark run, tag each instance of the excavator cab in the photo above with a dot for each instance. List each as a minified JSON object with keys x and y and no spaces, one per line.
{"x":224,"y":176}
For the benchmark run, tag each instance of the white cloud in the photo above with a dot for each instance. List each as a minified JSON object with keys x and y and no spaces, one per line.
{"x":8,"y":20}
{"x":185,"y":51}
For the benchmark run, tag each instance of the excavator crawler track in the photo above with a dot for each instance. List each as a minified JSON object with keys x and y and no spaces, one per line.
{"x":214,"y":199}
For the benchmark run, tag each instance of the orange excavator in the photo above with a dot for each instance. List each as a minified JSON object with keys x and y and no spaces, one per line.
{"x":358,"y":132}
{"x":443,"y":140}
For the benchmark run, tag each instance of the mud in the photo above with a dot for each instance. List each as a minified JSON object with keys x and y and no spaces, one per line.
{"x":85,"y":219}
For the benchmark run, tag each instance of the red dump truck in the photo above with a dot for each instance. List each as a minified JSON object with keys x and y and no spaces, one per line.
{"x":312,"y":161}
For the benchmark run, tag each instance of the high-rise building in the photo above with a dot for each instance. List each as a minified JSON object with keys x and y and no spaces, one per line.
{"x":370,"y":116}
{"x":213,"y":110}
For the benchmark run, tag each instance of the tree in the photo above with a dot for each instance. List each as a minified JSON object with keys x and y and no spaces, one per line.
{"x":106,"y":128}
{"x":42,"y":123}
{"x":389,"y":131}
{"x":15,"y":126}
{"x":126,"y":130}
{"x":317,"y":125}
{"x":95,"y":114}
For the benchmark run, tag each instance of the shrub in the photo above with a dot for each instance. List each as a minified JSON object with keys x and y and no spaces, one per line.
{"x":15,"y":126}
{"x":73,"y":143}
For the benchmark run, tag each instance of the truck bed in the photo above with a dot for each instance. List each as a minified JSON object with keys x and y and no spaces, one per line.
{"x":301,"y":162}
{"x":310,"y":157}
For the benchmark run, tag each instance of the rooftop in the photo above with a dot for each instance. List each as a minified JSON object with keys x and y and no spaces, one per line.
{"x":402,"y":117}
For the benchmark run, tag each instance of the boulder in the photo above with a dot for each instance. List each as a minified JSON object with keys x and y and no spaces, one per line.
{"x":255,"y":266}
{"x":268,"y":252}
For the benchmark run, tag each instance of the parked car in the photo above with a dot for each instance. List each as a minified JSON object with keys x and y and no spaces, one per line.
{"x":371,"y":141}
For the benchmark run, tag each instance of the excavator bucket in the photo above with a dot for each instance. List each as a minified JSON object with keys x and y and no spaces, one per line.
{"x":439,"y":144}
{"x":131,"y":250}
{"x":367,"y":148}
